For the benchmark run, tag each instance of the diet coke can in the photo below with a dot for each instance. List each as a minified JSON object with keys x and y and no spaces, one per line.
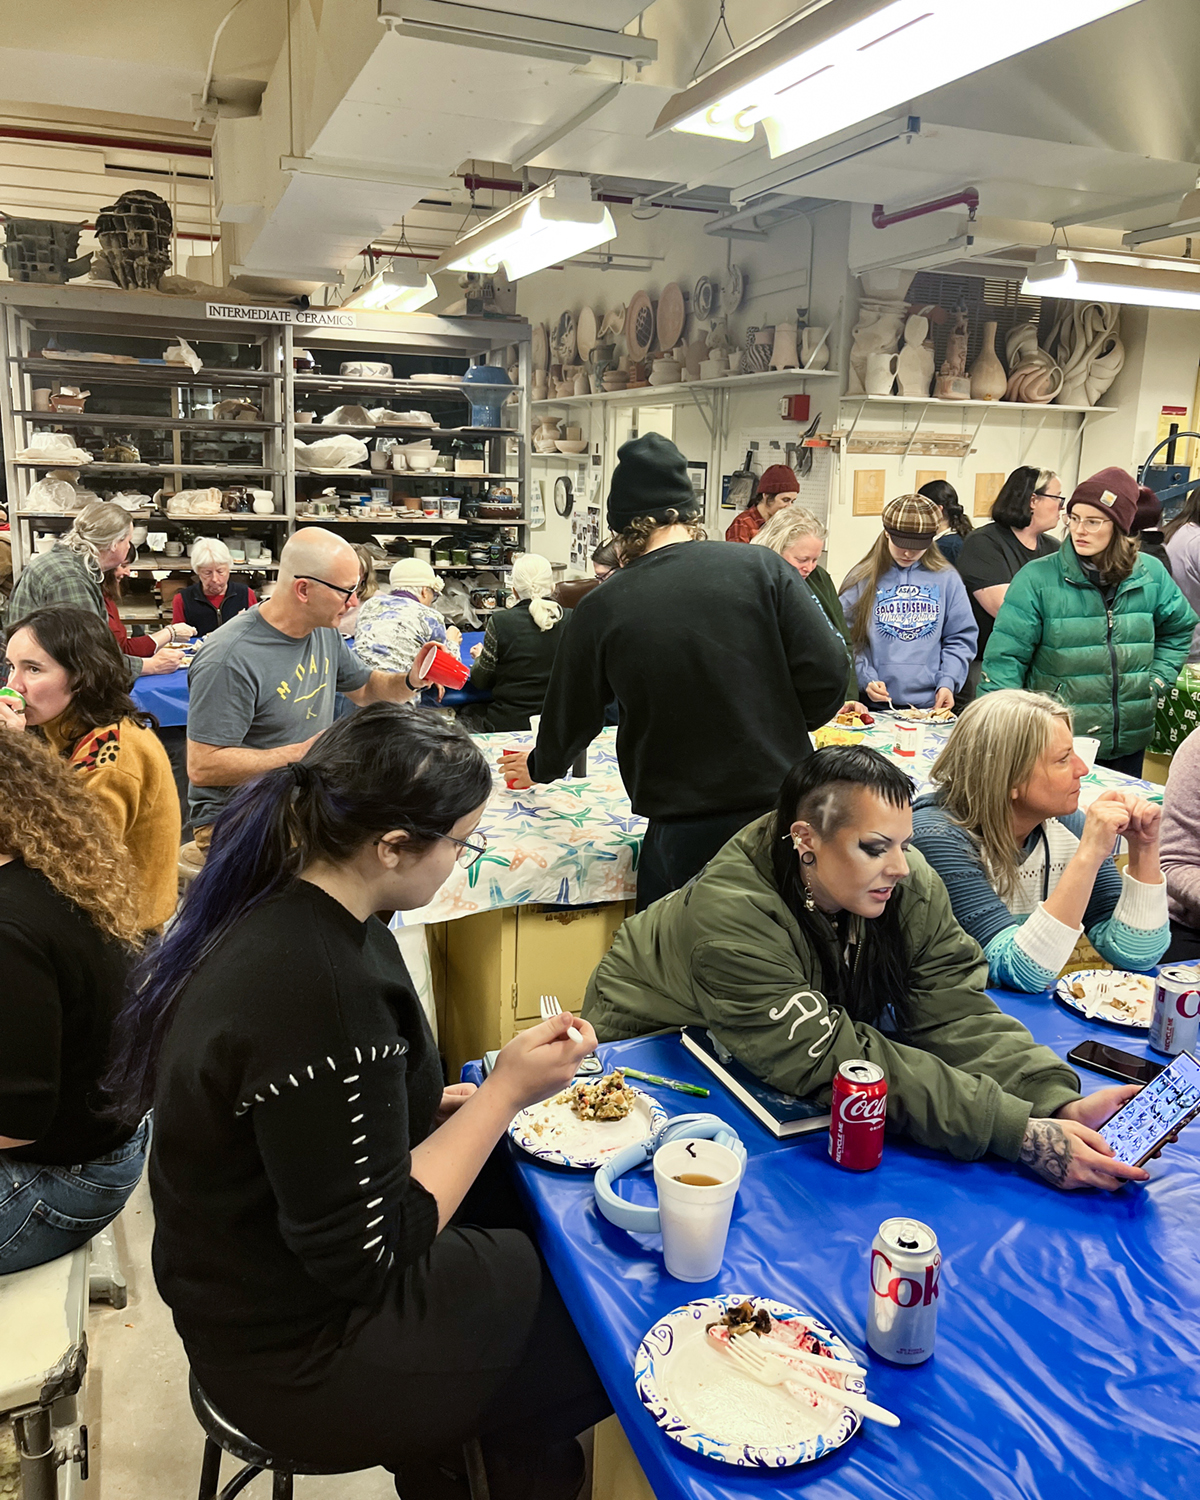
{"x":906,"y":1267}
{"x":1175,"y":1024}
{"x":857,"y":1114}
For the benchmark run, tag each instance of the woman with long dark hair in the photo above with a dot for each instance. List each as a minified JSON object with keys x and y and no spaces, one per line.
{"x":817,"y":937}
{"x":349,"y":1282}
{"x":1096,"y":625}
{"x":66,"y":665}
{"x":956,"y":524}
{"x":68,"y":927}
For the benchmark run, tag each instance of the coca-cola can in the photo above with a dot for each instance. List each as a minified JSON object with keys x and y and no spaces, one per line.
{"x":906,"y":1269}
{"x":1175,"y":1024}
{"x":857,"y":1115}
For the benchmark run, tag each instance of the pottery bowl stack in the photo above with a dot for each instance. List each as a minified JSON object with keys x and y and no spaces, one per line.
{"x":666,"y":371}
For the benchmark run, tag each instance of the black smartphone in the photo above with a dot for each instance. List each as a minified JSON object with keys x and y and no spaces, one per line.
{"x":1160,"y":1110}
{"x":1114,"y":1063}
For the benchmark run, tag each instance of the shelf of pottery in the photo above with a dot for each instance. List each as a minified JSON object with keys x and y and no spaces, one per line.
{"x":893,"y":365}
{"x":669,"y":349}
{"x":413,"y":460}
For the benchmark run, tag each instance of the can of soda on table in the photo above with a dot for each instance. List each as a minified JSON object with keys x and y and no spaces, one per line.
{"x":857,"y":1114}
{"x":906,"y":1268}
{"x":1175,"y":1022}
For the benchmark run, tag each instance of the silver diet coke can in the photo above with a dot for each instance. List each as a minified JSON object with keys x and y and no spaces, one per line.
{"x":906,"y":1268}
{"x":1175,"y":1024}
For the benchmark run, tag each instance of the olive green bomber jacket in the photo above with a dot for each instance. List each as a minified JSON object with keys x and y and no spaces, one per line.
{"x":726,"y":953}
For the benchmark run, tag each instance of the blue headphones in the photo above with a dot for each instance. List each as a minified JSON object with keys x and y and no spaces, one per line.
{"x":642,"y":1219}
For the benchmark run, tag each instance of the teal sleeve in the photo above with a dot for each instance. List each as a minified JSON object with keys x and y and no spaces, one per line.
{"x":1010,"y":967}
{"x":1015,"y":636}
{"x":1128,"y":947}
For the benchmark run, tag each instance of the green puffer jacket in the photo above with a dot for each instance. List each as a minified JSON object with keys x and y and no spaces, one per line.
{"x":1054,"y":635}
{"x":727,"y":953}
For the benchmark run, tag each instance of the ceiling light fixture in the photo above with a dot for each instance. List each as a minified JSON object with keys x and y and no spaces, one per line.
{"x":1111,"y":276}
{"x":845,"y":62}
{"x":397,"y":289}
{"x":550,"y":225}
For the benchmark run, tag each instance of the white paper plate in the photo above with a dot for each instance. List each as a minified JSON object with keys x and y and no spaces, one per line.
{"x":553,"y":1133}
{"x":1127,"y":989}
{"x":906,"y":716}
{"x":700,"y":1398}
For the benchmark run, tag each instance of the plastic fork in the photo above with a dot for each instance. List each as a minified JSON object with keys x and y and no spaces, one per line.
{"x":817,"y":1361}
{"x":772,"y":1372}
{"x":549,"y":1006}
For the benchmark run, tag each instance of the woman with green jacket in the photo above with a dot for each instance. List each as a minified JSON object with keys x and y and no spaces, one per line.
{"x":814,"y":938}
{"x":1096,"y":625}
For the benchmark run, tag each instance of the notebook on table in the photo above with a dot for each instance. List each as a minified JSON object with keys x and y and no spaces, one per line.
{"x":782,"y":1114}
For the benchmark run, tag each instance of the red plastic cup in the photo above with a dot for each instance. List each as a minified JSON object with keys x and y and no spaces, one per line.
{"x":436,"y":665}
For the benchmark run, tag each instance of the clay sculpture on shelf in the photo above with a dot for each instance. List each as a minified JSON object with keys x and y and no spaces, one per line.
{"x":988,"y":380}
{"x":784,"y":353}
{"x":1086,"y":344}
{"x":952,"y":382}
{"x":756,"y":357}
{"x":135,"y":238}
{"x":43,"y":250}
{"x":881,"y":374}
{"x":814,"y":349}
{"x":1034,"y":377}
{"x":914,"y":367}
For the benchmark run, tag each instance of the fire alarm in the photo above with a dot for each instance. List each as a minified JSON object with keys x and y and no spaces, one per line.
{"x":794,"y":408}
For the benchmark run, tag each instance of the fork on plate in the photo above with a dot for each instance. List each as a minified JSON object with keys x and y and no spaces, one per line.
{"x":768,"y":1371}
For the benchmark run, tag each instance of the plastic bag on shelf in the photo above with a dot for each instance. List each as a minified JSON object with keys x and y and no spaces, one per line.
{"x":340,"y":452}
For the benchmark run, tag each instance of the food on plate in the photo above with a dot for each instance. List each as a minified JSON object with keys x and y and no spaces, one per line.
{"x":854,"y":721}
{"x":929,"y":715}
{"x":744,"y":1318}
{"x":1115,"y":994}
{"x":609,"y":1098}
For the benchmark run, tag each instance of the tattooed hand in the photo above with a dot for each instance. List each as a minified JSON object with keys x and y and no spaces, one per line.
{"x":1069,"y":1155}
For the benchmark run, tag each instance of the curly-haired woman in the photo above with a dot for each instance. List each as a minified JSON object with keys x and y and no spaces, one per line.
{"x":68,"y":920}
{"x":66,"y":665}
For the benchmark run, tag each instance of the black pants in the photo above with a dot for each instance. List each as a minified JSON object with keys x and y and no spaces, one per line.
{"x":1128,"y":765}
{"x":476,"y":1343}
{"x":1185,"y":945}
{"x":676,"y":849}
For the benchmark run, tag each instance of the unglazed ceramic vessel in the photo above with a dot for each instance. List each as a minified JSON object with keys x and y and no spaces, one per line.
{"x":988,"y":380}
{"x":914,"y":364}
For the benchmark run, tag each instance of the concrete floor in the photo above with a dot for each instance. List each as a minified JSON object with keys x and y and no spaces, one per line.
{"x":146,"y":1444}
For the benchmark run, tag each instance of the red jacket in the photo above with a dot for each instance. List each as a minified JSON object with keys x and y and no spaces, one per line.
{"x":746,"y":525}
{"x":131,"y":645}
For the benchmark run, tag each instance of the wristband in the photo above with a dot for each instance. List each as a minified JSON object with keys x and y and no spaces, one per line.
{"x":409,"y":685}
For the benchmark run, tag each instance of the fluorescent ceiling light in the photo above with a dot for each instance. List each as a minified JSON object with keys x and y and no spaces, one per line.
{"x":1110,"y":276}
{"x":539,"y":230}
{"x":396,"y":290}
{"x":832,"y":67}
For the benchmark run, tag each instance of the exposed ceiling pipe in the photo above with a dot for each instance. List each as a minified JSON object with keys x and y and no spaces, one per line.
{"x":119,"y":142}
{"x":504,"y":185}
{"x":968,"y":196}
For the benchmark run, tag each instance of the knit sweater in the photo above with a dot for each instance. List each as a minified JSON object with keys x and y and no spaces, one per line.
{"x":127,"y":768}
{"x":1027,"y":948}
{"x":1184,"y":551}
{"x":721,"y":659}
{"x":283,"y":1120}
{"x":1180,"y":847}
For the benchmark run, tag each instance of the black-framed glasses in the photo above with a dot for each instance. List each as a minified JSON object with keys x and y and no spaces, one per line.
{"x":1046,"y":495}
{"x":347,"y":594}
{"x":470,"y":850}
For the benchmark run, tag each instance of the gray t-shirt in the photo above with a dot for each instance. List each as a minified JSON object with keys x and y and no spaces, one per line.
{"x":252,"y":685}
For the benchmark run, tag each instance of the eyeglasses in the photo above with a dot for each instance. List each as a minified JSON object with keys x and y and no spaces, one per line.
{"x":1087,"y":523}
{"x":347,"y":594}
{"x":1046,"y":495}
{"x":470,"y":850}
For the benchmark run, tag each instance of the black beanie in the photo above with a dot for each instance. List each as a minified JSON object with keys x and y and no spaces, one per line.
{"x":651,"y":479}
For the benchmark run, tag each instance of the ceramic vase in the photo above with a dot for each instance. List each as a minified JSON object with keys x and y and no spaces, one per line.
{"x":547,"y":435}
{"x":600,"y":361}
{"x":988,"y":380}
{"x":876,"y":332}
{"x":784,"y":354}
{"x":756,"y":357}
{"x":881,"y":374}
{"x":814,"y":349}
{"x":914,"y":366}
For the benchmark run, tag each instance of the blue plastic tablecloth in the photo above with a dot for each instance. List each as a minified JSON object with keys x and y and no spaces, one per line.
{"x":166,"y":697}
{"x":1068,"y":1347}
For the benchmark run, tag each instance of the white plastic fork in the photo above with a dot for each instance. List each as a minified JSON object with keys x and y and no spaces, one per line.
{"x":772,"y":1372}
{"x":549,"y":1006}
{"x":817,"y":1361}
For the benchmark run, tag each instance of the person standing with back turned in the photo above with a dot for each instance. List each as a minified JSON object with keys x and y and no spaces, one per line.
{"x":721,"y":659}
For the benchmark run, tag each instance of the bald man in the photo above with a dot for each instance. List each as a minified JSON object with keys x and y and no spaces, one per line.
{"x":263,"y":687}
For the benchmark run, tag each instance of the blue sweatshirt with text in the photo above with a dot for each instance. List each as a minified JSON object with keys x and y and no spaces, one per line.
{"x":923,"y":634}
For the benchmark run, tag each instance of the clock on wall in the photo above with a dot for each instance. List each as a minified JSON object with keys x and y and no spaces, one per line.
{"x":564,"y":495}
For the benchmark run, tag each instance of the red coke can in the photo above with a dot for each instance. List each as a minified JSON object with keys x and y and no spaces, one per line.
{"x":858,"y":1113}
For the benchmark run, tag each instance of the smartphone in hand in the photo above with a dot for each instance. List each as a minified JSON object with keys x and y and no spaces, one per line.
{"x":1162,"y":1108}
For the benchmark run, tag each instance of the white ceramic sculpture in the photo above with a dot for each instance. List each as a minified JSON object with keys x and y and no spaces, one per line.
{"x":1086,"y":344}
{"x":914,"y":367}
{"x":1034,"y":377}
{"x":881,"y":373}
{"x":784,"y":354}
{"x":876,"y":332}
{"x":814,"y":349}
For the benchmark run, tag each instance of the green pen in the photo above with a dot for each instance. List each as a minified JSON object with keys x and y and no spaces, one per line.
{"x":666,"y":1083}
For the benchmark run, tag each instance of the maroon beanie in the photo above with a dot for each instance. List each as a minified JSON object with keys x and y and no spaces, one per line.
{"x":1112,"y":491}
{"x":777,"y":480}
{"x":1149,"y":511}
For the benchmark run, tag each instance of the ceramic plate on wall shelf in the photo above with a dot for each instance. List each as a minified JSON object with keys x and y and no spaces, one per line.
{"x":704,"y":298}
{"x":733,"y":289}
{"x":562,"y":343}
{"x":540,"y":353}
{"x":639,"y":326}
{"x":672,"y":315}
{"x":585,"y":333}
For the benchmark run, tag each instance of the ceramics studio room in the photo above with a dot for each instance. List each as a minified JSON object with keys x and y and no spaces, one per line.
{"x":599,"y":749}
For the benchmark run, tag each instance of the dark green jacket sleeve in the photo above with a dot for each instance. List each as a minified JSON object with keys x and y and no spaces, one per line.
{"x":1016,"y":634}
{"x":825,"y":594}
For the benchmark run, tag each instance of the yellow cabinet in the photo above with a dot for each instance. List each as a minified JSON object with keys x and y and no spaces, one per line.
{"x":490,"y":970}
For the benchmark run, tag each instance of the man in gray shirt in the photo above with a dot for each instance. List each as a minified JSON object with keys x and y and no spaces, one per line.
{"x":263,"y":686}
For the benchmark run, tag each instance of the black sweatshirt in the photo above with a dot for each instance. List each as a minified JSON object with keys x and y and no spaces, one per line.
{"x":297,"y":1073}
{"x":515,"y":663}
{"x":722,"y":660}
{"x":62,"y":983}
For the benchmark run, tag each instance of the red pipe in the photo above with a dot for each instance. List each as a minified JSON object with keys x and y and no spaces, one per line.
{"x":77,"y":138}
{"x":968,"y":196}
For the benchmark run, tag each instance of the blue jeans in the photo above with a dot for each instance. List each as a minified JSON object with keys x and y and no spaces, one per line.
{"x":48,"y":1211}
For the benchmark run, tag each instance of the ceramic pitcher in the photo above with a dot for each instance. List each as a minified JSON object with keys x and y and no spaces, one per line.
{"x":881,"y":373}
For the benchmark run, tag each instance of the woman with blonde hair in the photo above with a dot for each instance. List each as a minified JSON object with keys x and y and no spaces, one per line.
{"x":910,"y":620}
{"x":518,"y":650}
{"x":1096,"y":624}
{"x":1026,"y":870}
{"x":68,"y":925}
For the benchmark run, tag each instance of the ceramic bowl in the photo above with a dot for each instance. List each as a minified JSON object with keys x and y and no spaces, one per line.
{"x":565,"y":445}
{"x":420,"y":463}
